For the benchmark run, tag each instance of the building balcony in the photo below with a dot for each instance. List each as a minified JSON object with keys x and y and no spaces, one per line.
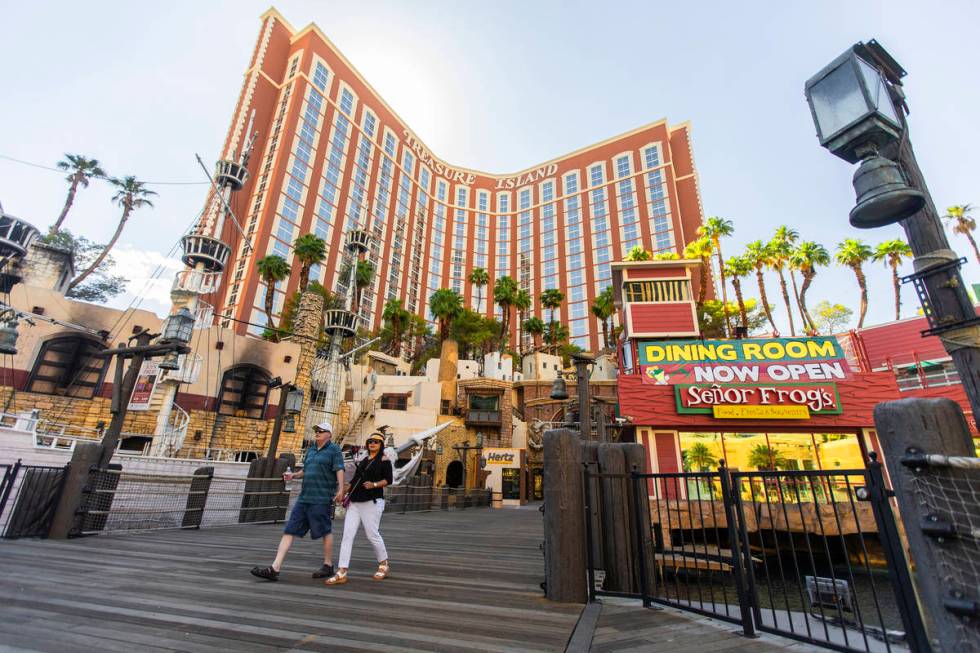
{"x":482,"y":418}
{"x":196,"y":282}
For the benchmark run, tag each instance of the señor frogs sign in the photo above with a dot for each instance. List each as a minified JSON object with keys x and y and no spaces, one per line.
{"x":758,"y":400}
{"x":778,"y":360}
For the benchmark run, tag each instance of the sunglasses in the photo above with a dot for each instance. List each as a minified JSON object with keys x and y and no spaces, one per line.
{"x":375,"y":442}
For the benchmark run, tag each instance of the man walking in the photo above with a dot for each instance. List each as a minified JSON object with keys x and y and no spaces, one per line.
{"x":323,"y":482}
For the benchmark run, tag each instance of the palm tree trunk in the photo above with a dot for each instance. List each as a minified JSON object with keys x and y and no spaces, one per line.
{"x":973,"y":242}
{"x":807,"y":280}
{"x":741,"y":303}
{"x":724,"y":290}
{"x":863,"y":284}
{"x":304,"y":277}
{"x":71,"y":200}
{"x":703,"y":286}
{"x":796,"y":296}
{"x":270,"y":295}
{"x":605,"y":334}
{"x":520,"y":333}
{"x":105,"y":251}
{"x":789,"y":308}
{"x":764,"y":298}
{"x":897,"y":285}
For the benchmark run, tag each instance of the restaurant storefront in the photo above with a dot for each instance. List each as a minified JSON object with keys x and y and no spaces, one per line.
{"x":777,"y":404}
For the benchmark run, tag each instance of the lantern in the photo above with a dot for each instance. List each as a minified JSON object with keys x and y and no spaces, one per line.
{"x":178,"y":327}
{"x":8,"y":336}
{"x":294,"y":402}
{"x":559,"y":391}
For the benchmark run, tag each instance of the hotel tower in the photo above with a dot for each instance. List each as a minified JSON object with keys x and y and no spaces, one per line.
{"x":330,"y":155}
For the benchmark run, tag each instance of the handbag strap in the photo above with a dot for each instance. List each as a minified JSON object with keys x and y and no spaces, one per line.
{"x":359,"y":477}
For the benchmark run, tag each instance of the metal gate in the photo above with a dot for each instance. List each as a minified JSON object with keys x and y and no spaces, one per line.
{"x":29,"y":496}
{"x":813,"y":555}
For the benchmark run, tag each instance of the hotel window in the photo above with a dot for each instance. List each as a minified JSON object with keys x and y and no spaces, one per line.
{"x":658,"y":291}
{"x":623,"y":166}
{"x":69,"y":366}
{"x":346,"y":101}
{"x":320,"y":76}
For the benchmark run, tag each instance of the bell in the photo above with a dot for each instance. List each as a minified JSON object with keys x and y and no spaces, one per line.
{"x":883,"y":197}
{"x":559,"y":392}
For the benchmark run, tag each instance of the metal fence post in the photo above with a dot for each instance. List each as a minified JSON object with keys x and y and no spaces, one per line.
{"x":639,"y":504}
{"x":898,"y":565}
{"x":738,"y":563}
{"x":9,"y":477}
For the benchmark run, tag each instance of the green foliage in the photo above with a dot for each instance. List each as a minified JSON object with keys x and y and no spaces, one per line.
{"x":445,"y":304}
{"x":711,"y":317}
{"x":831,"y":318}
{"x":309,"y":249}
{"x":698,"y":458}
{"x":637,"y":253}
{"x":475,"y":334}
{"x":102,"y":285}
{"x":764,"y":458}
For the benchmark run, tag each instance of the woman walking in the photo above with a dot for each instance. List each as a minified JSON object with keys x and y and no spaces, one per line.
{"x":365,"y":499}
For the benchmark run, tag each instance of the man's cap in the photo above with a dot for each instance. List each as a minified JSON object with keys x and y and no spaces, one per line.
{"x":324,"y":426}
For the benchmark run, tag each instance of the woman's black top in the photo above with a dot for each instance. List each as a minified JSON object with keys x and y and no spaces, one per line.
{"x":375,"y":472}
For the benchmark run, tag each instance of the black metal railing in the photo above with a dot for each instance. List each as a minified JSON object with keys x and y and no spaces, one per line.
{"x":29,"y":496}
{"x":811,"y":555}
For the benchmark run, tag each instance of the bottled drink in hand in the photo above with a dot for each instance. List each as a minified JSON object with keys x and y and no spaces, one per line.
{"x":288,"y":477}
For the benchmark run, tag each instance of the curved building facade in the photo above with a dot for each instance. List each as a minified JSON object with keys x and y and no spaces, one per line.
{"x":329,"y":154}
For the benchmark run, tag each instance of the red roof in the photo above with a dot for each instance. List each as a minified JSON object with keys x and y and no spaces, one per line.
{"x":899,"y":342}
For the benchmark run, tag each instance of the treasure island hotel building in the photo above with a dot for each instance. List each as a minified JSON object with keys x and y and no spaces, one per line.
{"x":331,"y":154}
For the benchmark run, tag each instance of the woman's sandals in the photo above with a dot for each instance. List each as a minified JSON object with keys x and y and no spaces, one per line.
{"x":382,"y":571}
{"x":337,"y":579}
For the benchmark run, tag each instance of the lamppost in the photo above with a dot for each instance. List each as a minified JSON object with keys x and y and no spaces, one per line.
{"x":859,"y":108}
{"x":290,"y":405}
{"x":462,"y":450}
{"x":559,"y":392}
{"x":177,"y":331}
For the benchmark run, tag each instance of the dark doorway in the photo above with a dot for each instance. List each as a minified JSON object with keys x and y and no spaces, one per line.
{"x":454,"y":474}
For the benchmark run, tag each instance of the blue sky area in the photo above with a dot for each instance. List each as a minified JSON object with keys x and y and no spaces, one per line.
{"x":496,"y":86}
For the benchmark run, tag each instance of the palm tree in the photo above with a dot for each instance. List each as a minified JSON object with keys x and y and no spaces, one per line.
{"x":272,"y":269}
{"x":552,"y":299}
{"x":701,"y":250}
{"x":522,"y":302}
{"x":805,"y":258}
{"x":698,"y":457}
{"x":714,"y":228}
{"x":479,"y":278}
{"x":779,"y":253}
{"x":309,"y":249}
{"x":853,"y":253}
{"x":535,"y":326}
{"x":765,"y":458}
{"x":790,"y":236}
{"x":738,"y":267}
{"x":892,"y":252}
{"x":80,"y":170}
{"x":504,"y":294}
{"x":637,"y":253}
{"x":603,"y":308}
{"x":961,"y":222}
{"x":555,"y":334}
{"x":397,"y":318}
{"x":758,"y":255}
{"x":363,"y":277}
{"x":445,"y":304}
{"x":132,"y":195}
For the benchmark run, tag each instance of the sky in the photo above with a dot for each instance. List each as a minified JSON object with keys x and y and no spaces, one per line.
{"x":496,"y":86}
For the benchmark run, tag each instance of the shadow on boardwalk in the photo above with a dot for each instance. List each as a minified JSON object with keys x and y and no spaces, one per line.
{"x":460,"y":581}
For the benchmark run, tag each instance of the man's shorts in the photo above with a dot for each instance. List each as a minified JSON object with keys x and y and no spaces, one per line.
{"x":312,"y":517}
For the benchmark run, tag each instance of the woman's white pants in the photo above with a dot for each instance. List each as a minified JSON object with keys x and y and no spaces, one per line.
{"x":368,"y":514}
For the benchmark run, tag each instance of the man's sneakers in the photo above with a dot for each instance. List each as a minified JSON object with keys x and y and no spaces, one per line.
{"x":267,"y":573}
{"x":326,"y":571}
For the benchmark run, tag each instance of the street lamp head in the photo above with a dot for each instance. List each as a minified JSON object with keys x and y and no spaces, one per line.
{"x":479,"y":440}
{"x":851,"y":106}
{"x":883,"y":197}
{"x":294,"y":401}
{"x":179,"y":327}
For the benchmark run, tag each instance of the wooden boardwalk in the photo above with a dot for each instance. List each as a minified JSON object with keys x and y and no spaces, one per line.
{"x":460,"y":581}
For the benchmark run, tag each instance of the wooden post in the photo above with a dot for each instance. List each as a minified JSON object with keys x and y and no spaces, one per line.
{"x":564,"y":518}
{"x":617,"y":546}
{"x":197,"y":497}
{"x":590,"y":457}
{"x":928,"y":426}
{"x":65,"y":519}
